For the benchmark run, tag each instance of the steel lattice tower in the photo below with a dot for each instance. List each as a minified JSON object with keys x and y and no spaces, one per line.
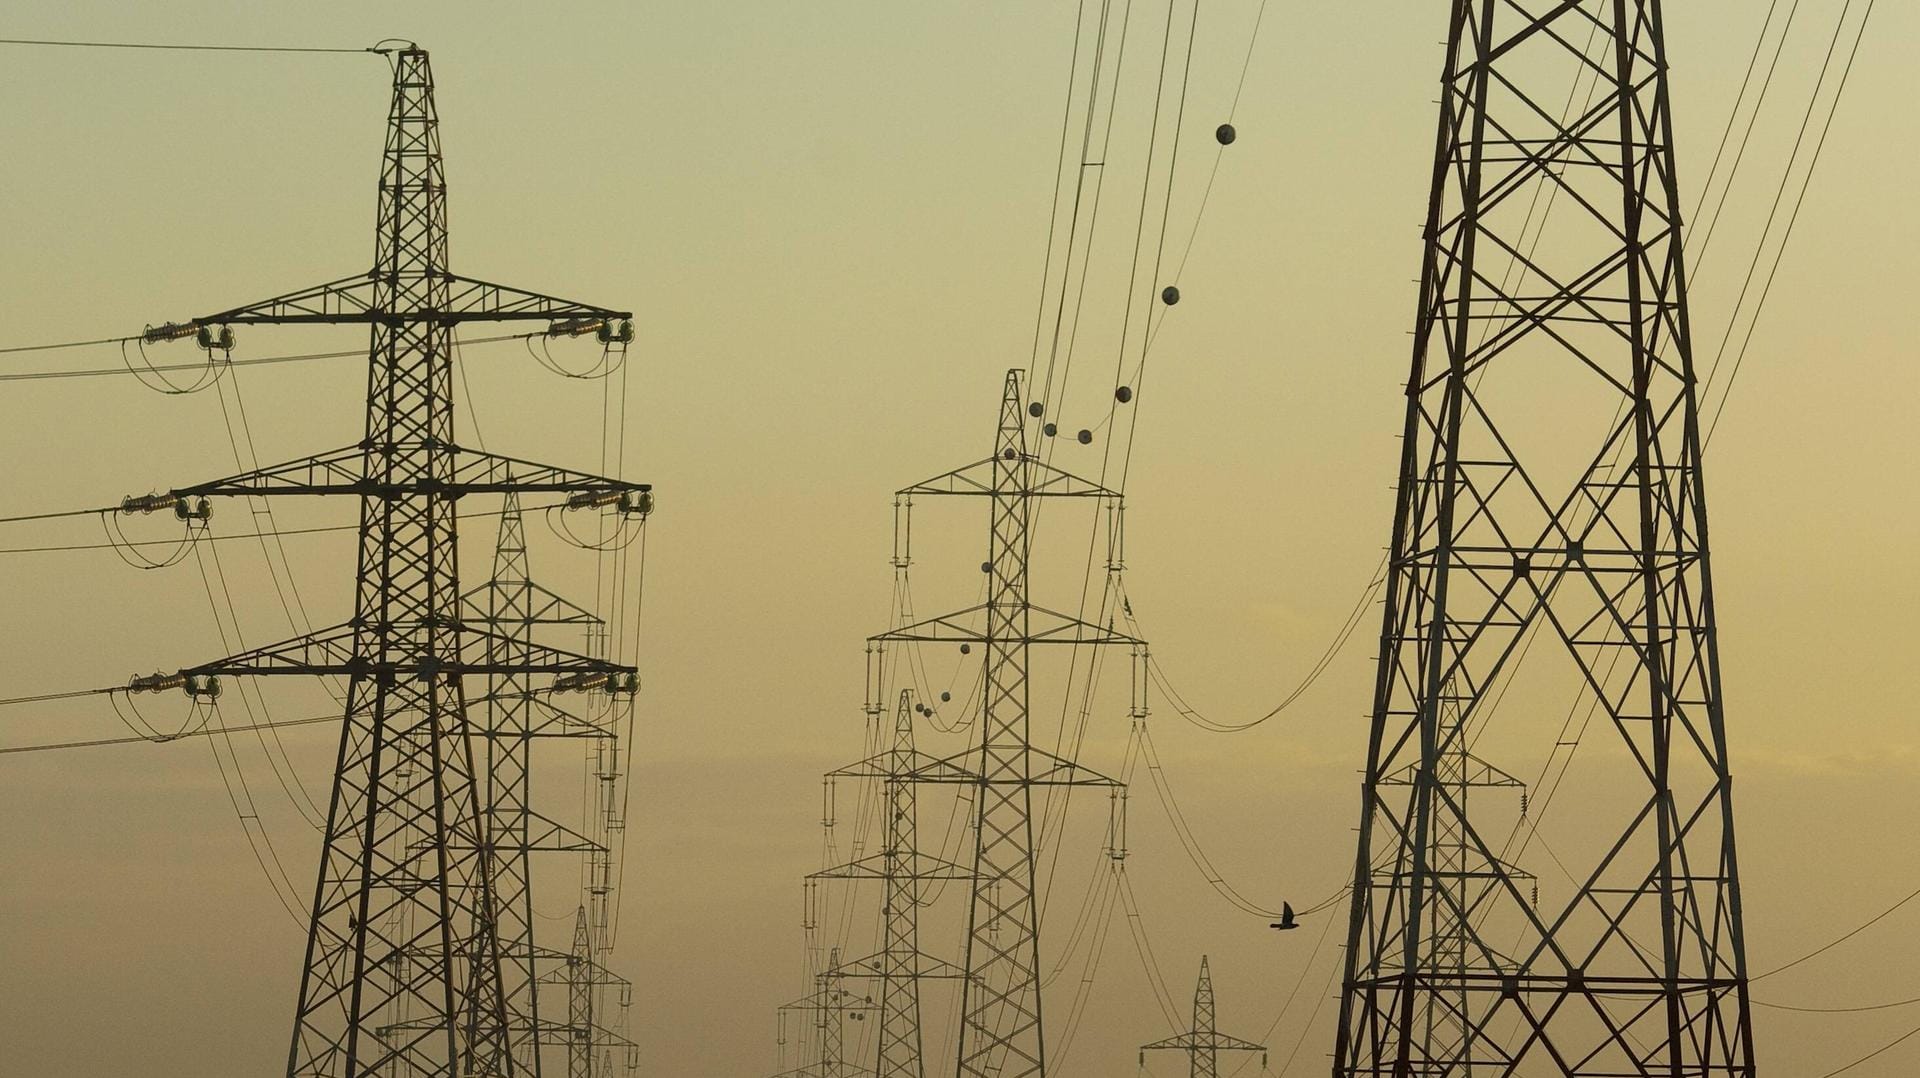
{"x":827,"y":1008}
{"x":1001,"y":1032}
{"x":1203,"y":1043}
{"x":580,"y":1001}
{"x":585,"y":1035}
{"x":902,"y":868}
{"x":1550,"y":506}
{"x":519,"y":712}
{"x":403,"y":969}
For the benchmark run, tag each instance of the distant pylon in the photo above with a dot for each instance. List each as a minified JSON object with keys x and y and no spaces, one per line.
{"x":900,"y":965}
{"x":1551,"y":520}
{"x":580,"y":1001}
{"x":1202,"y":1042}
{"x":403,"y":965}
{"x":826,"y":1010}
{"x":1001,"y":1032}
{"x":591,"y":1043}
{"x":510,"y":606}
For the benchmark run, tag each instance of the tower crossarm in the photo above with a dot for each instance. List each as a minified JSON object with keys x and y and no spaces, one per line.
{"x":1190,"y":1041}
{"x":542,"y":835}
{"x":332,"y":651}
{"x":1475,"y":773}
{"x":920,"y":767}
{"x":923,"y":966}
{"x":352,"y":471}
{"x":357,"y":299}
{"x":557,"y":1032}
{"x":967,"y":627}
{"x":543,"y":718}
{"x":531,"y":605}
{"x":918,"y":866}
{"x":831,"y":998}
{"x":1037,"y":479}
{"x":1027,"y":767}
{"x":959,"y":770}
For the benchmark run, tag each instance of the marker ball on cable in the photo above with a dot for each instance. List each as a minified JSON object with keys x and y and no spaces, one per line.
{"x":1050,"y":430}
{"x":1225,"y":134}
{"x":985,"y":567}
{"x":1123,"y":394}
{"x":964,"y":648}
{"x":1170,"y":295}
{"x":1036,"y":409}
{"x":945,"y":696}
{"x":1085,"y":436}
{"x":1008,"y":453}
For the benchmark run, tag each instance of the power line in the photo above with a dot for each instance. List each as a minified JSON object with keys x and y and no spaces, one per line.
{"x":63,"y":344}
{"x":201,"y":731}
{"x":272,"y":533}
{"x":55,"y":516}
{"x":1793,"y":217}
{"x":1890,"y":1044}
{"x":1838,"y":1010}
{"x":176,"y":47}
{"x":47,"y":697}
{"x":1824,"y":948}
{"x":95,"y":372}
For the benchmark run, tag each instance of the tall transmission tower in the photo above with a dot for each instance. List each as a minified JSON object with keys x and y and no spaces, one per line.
{"x":1551,"y":509}
{"x":1202,"y":1042}
{"x":403,"y":961}
{"x":1001,"y":1032}
{"x":519,"y":712}
{"x":900,"y":965}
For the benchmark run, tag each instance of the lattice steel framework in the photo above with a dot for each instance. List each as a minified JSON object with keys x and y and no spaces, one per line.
{"x":519,"y":712}
{"x":1550,"y":508}
{"x":403,"y":970}
{"x":591,"y":1043}
{"x":1001,"y":1032}
{"x":1203,"y":1043}
{"x":826,"y":1009}
{"x":902,"y":868}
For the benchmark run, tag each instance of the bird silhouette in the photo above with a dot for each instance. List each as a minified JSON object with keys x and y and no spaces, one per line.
{"x":1286,"y":921}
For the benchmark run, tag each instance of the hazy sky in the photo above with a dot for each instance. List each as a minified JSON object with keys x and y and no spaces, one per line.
{"x":830,"y":220}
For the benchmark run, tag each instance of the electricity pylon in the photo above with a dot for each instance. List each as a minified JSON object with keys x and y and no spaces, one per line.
{"x":511,"y":606}
{"x":826,"y":1010}
{"x":588,"y":1040}
{"x":1001,"y":1032}
{"x":403,"y":960}
{"x":1203,"y":1043}
{"x":901,"y":867}
{"x":1550,"y":508}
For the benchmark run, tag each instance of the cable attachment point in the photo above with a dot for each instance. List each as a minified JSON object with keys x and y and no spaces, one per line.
{"x":169,"y":331}
{"x":630,"y":503}
{"x":210,"y":339}
{"x":575,"y":327}
{"x":618,"y":683}
{"x":188,"y":509}
{"x":156,"y":682}
{"x":198,"y":686}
